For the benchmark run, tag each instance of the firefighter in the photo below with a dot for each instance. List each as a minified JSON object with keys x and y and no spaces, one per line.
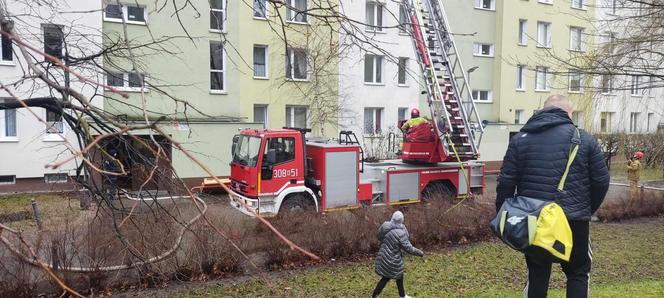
{"x":633,"y":175}
{"x":414,"y":120}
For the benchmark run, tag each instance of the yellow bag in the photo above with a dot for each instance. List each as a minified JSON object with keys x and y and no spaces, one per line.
{"x":553,"y":233}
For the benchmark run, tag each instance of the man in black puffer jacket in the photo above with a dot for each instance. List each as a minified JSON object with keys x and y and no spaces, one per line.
{"x":533,"y":166}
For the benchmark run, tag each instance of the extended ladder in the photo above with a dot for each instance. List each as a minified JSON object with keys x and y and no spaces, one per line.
{"x":452,"y":108}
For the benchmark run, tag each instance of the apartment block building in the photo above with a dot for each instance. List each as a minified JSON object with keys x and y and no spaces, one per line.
{"x":27,"y":144}
{"x":626,"y":103}
{"x":227,"y":61}
{"x":380,"y":81}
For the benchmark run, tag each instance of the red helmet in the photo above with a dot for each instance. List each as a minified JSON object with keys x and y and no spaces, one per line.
{"x":638,"y":154}
{"x":414,"y":113}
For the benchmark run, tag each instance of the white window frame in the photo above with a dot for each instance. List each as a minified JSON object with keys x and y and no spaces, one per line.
{"x":634,"y":122}
{"x":125,"y":83}
{"x":649,"y":122}
{"x":265,"y":115}
{"x":541,"y":26}
{"x":292,"y":108}
{"x":11,"y":61}
{"x":402,"y":69}
{"x":577,"y":118}
{"x":572,"y":46}
{"x":518,"y":116}
{"x":3,"y":129}
{"x":606,"y":90}
{"x":581,"y":4}
{"x":374,"y":26}
{"x":267,"y":72}
{"x":607,"y":120}
{"x":374,"y":72}
{"x":375,"y":130}
{"x":399,"y":113}
{"x":575,"y":74}
{"x":649,"y":86}
{"x":479,"y":4}
{"x":266,"y":9}
{"x":403,"y":21}
{"x":549,"y":2}
{"x":635,"y":86}
{"x":125,"y":14}
{"x":523,"y":32}
{"x":478,"y":92}
{"x":222,"y":71}
{"x":9,"y":183}
{"x":54,"y":136}
{"x":520,"y":77}
{"x":291,"y":14}
{"x":291,"y":59}
{"x":56,"y":181}
{"x":545,"y":71}
{"x":223,"y":17}
{"x":478,"y":47}
{"x":612,"y":6}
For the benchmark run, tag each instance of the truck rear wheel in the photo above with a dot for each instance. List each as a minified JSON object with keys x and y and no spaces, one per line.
{"x":299,"y":202}
{"x":438,"y":191}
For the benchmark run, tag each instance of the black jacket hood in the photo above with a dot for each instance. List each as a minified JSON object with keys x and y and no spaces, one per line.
{"x":546,"y":119}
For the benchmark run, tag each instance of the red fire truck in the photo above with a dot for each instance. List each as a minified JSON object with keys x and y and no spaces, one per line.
{"x":277,"y":170}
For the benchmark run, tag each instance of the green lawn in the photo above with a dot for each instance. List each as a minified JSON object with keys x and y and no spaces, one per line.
{"x":54,"y":208}
{"x":628,"y":260}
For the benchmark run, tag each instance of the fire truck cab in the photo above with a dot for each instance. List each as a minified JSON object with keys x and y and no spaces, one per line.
{"x":279,"y":170}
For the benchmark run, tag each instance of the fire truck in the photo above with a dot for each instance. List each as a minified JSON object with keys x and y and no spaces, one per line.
{"x":273,"y":171}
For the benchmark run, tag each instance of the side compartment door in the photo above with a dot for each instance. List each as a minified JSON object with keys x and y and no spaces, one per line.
{"x":280,"y":166}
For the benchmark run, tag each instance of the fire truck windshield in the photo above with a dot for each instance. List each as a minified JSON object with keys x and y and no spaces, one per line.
{"x":246,"y":151}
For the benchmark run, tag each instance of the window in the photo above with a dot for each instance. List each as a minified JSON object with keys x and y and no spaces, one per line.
{"x":483,"y":49}
{"x":633,"y":122}
{"x":575,"y":38}
{"x":546,"y":1}
{"x":523,"y":32}
{"x":649,"y":85}
{"x":372,"y":121}
{"x":518,"y":116}
{"x":543,"y":34}
{"x":296,"y":116}
{"x":374,"y":15}
{"x":485,"y":4}
{"x":635,"y":86}
{"x":607,"y":84}
{"x":577,"y":118}
{"x":605,"y":122}
{"x":297,"y":11}
{"x":129,"y":13}
{"x":56,"y":178}
{"x":296,"y":64}
{"x":6,"y":50}
{"x":403,"y":113}
{"x":609,"y":40}
{"x":260,"y":61}
{"x":7,"y":179}
{"x":217,"y":15}
{"x":578,"y":4}
{"x":613,"y":6}
{"x":403,"y":20}
{"x":53,"y":40}
{"x":373,"y":69}
{"x":284,"y":149}
{"x":260,"y":114}
{"x":54,"y":124}
{"x":542,"y":78}
{"x":217,"y":73}
{"x":126,"y":81}
{"x":401,"y":72}
{"x":7,"y":123}
{"x":260,"y":9}
{"x":482,"y":95}
{"x":520,"y":77}
{"x":650,"y":124}
{"x":575,"y":81}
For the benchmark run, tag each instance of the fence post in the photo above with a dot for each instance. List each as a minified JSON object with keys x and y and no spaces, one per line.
{"x":35,"y":211}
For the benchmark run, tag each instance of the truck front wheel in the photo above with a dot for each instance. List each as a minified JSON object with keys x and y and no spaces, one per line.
{"x":438,"y":190}
{"x":297,"y":202}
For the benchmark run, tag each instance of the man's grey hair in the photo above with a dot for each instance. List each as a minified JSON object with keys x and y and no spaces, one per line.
{"x":559,"y":101}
